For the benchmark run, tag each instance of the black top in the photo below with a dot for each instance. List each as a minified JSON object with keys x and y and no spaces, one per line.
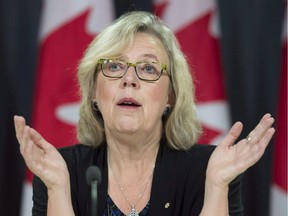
{"x":177,"y":187}
{"x":112,"y":210}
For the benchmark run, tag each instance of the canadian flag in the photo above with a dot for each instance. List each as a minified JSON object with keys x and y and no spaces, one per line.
{"x":279,"y":192}
{"x":67,"y":28}
{"x":196,"y":26}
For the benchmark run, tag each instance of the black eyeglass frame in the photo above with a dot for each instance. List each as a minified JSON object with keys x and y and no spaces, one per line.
{"x":129,"y":64}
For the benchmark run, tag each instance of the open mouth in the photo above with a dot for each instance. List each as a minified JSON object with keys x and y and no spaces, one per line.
{"x":128,"y":103}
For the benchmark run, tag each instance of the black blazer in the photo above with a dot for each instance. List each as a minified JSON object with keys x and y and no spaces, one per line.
{"x":177,"y":187}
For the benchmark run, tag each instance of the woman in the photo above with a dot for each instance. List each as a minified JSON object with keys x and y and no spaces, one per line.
{"x":138,"y":124}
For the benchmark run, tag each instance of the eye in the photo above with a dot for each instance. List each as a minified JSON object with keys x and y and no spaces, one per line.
{"x":148,"y":68}
{"x":115,"y":66}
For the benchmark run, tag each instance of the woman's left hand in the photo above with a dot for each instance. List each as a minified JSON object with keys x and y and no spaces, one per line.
{"x":229,"y":159}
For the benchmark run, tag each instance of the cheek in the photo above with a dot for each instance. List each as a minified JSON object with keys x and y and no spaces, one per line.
{"x":159,"y":95}
{"x":103,"y":92}
{"x":98,"y":92}
{"x":102,"y":88}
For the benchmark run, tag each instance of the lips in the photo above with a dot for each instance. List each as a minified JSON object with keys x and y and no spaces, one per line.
{"x":128,"y":102}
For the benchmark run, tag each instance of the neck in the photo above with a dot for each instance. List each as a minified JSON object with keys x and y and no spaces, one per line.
{"x":131,"y":166}
{"x":132,"y":156}
{"x":127,"y":148}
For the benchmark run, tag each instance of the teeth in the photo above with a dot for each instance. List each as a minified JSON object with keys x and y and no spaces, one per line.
{"x":129,"y":103}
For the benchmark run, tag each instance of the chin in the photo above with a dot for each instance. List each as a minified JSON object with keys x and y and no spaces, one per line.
{"x":128,"y":127}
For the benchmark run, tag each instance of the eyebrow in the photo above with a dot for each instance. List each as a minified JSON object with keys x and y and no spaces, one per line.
{"x":151,"y":56}
{"x":123,"y":58}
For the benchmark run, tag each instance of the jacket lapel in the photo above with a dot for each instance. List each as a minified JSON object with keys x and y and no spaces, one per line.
{"x":162,"y":201}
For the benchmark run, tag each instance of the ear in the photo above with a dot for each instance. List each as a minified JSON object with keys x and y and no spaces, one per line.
{"x":171,"y":97}
{"x":170,"y":101}
{"x":94,"y":98}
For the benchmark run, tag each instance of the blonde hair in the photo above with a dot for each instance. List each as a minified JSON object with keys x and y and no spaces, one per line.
{"x":181,"y":127}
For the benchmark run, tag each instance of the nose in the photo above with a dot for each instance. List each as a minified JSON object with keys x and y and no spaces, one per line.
{"x":130,"y":78}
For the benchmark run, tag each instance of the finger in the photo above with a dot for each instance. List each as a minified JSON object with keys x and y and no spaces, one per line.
{"x":255,"y":136}
{"x":25,"y":140}
{"x":39,"y":140}
{"x":20,"y":124}
{"x":26,"y":148}
{"x":263,"y":143}
{"x":31,"y":153}
{"x":257,"y":150}
{"x":232,"y":135}
{"x":258,"y":132}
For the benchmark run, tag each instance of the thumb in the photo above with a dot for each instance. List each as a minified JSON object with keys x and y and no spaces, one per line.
{"x":232,"y":135}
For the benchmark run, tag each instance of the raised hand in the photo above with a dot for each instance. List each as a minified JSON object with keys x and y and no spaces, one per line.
{"x":41,"y":157}
{"x":229,"y":159}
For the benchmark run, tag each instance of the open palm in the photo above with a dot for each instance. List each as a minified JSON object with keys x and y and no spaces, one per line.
{"x":41,"y":157}
{"x":229,"y":159}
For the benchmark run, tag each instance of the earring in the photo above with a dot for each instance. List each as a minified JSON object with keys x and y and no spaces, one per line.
{"x":95,"y":106}
{"x":166,"y":111}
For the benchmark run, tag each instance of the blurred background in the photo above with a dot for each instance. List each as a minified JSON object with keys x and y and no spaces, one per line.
{"x":237,"y":51}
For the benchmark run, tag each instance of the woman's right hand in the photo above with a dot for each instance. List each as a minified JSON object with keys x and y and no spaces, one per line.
{"x":42,"y":158}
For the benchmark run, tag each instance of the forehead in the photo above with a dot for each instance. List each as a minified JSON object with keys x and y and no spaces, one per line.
{"x":145,"y":46}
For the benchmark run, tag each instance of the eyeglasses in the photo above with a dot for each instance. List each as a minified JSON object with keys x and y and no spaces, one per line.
{"x":147,"y":71}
